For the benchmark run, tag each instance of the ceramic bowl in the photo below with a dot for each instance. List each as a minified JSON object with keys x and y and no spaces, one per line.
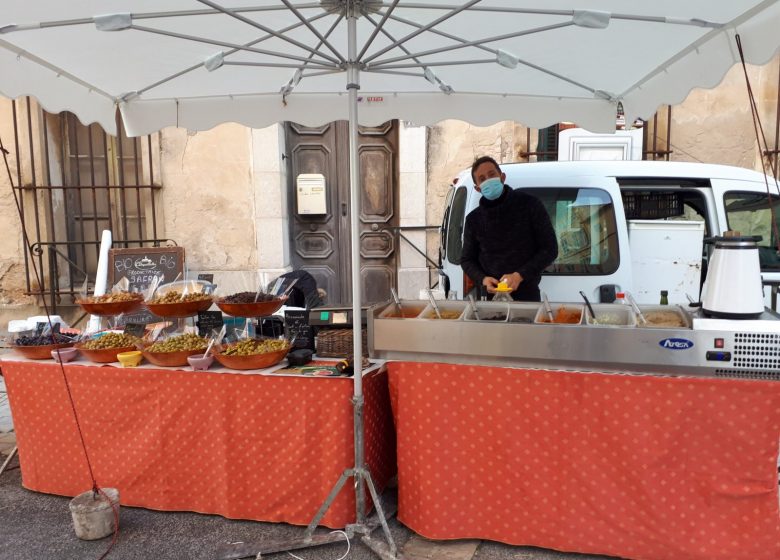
{"x":64,"y":354}
{"x":199,"y":363}
{"x":130,"y":359}
{"x":41,"y":352}
{"x":256,"y":309}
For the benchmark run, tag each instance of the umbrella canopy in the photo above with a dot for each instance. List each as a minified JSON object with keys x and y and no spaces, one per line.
{"x":198,"y":63}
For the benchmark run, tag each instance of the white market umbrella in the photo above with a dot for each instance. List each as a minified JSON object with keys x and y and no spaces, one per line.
{"x":198,"y":63}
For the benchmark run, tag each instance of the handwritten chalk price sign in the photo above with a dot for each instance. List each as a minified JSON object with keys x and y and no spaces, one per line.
{"x":141,"y":265}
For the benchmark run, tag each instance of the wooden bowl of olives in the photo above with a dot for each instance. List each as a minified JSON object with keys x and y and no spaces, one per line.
{"x":174,"y":351}
{"x":252,"y":353}
{"x":40,"y":347}
{"x":111,"y":304}
{"x":104,"y":348}
{"x":244,"y":304}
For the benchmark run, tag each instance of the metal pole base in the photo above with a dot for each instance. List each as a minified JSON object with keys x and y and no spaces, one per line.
{"x":8,"y":459}
{"x":385,"y":551}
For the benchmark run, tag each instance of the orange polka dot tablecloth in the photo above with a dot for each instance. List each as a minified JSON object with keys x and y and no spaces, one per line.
{"x":243,"y":446}
{"x":640,"y":467}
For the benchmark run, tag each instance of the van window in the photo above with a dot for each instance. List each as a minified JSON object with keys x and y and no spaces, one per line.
{"x":749,"y":214}
{"x":584,"y":222}
{"x":456,"y":219}
{"x":445,"y":224}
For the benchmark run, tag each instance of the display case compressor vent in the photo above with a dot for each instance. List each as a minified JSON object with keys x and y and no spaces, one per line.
{"x":759,"y":352}
{"x":748,"y":374}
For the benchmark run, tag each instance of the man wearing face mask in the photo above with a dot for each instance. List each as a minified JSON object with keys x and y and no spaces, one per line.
{"x":508,"y":237}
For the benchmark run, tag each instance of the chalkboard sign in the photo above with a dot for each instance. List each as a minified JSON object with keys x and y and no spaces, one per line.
{"x":135,"y":329}
{"x":140,"y":265}
{"x":209,"y":321}
{"x":297,"y":323}
{"x":207,"y":277}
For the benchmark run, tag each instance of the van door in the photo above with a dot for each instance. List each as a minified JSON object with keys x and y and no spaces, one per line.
{"x":744,"y":206}
{"x":452,"y":240}
{"x":593,"y":249}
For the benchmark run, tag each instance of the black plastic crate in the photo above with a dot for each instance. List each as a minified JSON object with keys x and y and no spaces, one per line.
{"x":649,"y":205}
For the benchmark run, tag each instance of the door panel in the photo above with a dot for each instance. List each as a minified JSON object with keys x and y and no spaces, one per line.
{"x":321,"y":244}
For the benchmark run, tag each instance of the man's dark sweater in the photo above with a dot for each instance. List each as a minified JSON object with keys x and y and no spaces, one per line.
{"x":510,"y":234}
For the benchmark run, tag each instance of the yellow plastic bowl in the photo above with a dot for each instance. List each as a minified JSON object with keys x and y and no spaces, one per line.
{"x":130,"y":359}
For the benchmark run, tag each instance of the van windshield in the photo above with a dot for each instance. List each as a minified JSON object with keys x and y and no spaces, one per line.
{"x":749,"y":214}
{"x":584,"y":222}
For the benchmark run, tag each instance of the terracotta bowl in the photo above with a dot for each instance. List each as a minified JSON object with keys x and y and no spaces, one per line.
{"x":254,"y":361}
{"x":178,"y":310}
{"x":41,"y":352}
{"x":103,"y":355}
{"x":111,"y":308}
{"x":257,"y":309}
{"x":170,"y":359}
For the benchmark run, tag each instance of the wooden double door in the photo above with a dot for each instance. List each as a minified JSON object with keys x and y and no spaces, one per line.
{"x":320,"y":243}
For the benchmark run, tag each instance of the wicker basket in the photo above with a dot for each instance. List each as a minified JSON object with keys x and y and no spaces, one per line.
{"x":337,"y":343}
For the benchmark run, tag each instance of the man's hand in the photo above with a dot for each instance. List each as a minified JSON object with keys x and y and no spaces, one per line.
{"x":512,"y":280}
{"x":490,"y":283}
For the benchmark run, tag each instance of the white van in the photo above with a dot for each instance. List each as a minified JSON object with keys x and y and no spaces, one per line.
{"x":636,"y":226}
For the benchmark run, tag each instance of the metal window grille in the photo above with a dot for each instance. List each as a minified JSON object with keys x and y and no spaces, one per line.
{"x":73,"y":181}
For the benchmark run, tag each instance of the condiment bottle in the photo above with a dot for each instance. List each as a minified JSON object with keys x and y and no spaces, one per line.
{"x":664,"y":297}
{"x":346,"y":366}
{"x":620,"y":298}
{"x":503,"y":293}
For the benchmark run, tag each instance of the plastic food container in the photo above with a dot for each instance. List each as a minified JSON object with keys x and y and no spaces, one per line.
{"x":610,"y":315}
{"x":409,"y":310}
{"x":449,"y":310}
{"x":664,"y":317}
{"x":488,"y":311}
{"x":563,"y":314}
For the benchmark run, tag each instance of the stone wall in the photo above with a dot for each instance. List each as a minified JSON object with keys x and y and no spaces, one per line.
{"x":13,"y":302}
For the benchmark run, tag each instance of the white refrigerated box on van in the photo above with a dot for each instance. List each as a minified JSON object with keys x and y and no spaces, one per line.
{"x":666,"y":255}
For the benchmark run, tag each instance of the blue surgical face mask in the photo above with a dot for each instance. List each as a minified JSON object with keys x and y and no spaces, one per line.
{"x":492,"y":188}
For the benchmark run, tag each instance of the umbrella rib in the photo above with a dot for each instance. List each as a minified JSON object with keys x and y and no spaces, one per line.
{"x":696,"y":44}
{"x":256,"y":25}
{"x":323,"y":40}
{"x":475,"y":43}
{"x":234,"y":46}
{"x":145,"y":15}
{"x":298,"y":75}
{"x":452,"y":13}
{"x":318,"y":66}
{"x":200,"y":64}
{"x":568,"y":13}
{"x":377,"y":27}
{"x":436,"y":63}
{"x":56,"y":69}
{"x":495,"y":52}
{"x":404,"y":49}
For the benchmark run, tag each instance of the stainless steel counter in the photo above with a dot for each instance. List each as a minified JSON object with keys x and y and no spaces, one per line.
{"x":702,"y":347}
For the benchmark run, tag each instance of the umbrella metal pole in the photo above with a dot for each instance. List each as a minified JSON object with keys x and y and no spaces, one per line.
{"x":353,"y":85}
{"x":360,"y":472}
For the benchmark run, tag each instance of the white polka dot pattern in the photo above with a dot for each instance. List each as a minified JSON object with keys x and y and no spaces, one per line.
{"x":242,"y":446}
{"x":644,"y":467}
